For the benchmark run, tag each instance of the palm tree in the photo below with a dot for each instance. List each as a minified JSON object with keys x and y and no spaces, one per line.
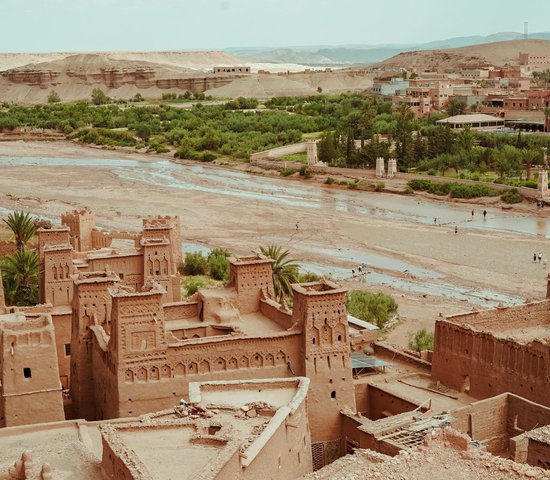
{"x":285,"y":270}
{"x":20,"y":274}
{"x":23,"y":228}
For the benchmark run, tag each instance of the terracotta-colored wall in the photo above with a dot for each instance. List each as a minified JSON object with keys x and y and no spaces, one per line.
{"x":538,"y":454}
{"x":33,"y":395}
{"x":231,"y":359}
{"x":62,"y":325}
{"x":381,"y":402}
{"x":286,"y":455}
{"x":492,"y":365}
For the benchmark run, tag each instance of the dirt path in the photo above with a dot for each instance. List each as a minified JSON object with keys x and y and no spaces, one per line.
{"x":220,"y":207}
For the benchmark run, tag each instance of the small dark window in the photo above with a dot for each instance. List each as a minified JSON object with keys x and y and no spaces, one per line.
{"x":313,"y":340}
{"x":27,"y":372}
{"x":339,"y":338}
{"x":121,"y":275}
{"x":333,"y":394}
{"x":67,"y":349}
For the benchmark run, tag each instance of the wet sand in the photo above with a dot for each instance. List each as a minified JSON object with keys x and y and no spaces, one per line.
{"x":422,"y":264}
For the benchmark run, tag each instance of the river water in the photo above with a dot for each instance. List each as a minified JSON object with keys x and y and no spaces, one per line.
{"x":274,"y":191}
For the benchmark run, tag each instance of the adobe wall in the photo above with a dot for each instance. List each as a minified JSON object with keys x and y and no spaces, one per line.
{"x":62,"y":325}
{"x":320,"y":309}
{"x":382,"y":404}
{"x":250,"y":276}
{"x":485,"y":421}
{"x":467,"y":359}
{"x":148,"y":385}
{"x":130,"y":266}
{"x":287,"y":453}
{"x":31,"y":390}
{"x":276,"y":313}
{"x":538,"y":454}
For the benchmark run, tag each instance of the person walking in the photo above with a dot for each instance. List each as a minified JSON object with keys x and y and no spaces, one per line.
{"x":456,"y":229}
{"x":472,"y":214}
{"x":535,"y":257}
{"x":484,"y":214}
{"x":540,"y":256}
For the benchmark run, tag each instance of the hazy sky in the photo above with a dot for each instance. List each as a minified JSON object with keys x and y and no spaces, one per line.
{"x":85,"y":25}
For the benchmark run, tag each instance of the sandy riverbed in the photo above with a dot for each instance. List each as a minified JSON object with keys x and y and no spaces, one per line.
{"x":498,"y":261}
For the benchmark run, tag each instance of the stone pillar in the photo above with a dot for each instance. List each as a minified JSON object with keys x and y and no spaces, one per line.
{"x":392,"y":167}
{"x":543,"y":185}
{"x":380,"y":171}
{"x":311,"y":149}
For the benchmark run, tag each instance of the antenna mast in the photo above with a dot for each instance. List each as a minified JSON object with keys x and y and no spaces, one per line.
{"x":525,"y":30}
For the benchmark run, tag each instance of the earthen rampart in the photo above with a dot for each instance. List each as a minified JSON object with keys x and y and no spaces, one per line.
{"x":501,"y":350}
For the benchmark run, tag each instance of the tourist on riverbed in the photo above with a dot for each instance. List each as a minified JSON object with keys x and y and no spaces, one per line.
{"x":472,"y":214}
{"x":540,"y":256}
{"x":535,"y":257}
{"x":456,"y":229}
{"x":484,"y":214}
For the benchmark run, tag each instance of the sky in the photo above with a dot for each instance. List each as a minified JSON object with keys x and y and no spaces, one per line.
{"x":96,"y":25}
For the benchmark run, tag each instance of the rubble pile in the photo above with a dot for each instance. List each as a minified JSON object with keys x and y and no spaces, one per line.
{"x":446,"y":454}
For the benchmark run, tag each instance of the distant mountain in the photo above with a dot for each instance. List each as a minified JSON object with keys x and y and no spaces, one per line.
{"x":364,"y":54}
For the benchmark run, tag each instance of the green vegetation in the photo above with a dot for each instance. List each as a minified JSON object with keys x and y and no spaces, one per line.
{"x":195,"y":264}
{"x":376,"y":308}
{"x":20,"y":275}
{"x":23,"y":228}
{"x":459,"y":190}
{"x":286,"y":171}
{"x":354,"y":129}
{"x":511,"y":196}
{"x":53,"y":97}
{"x":99,"y":97}
{"x":216,"y":264}
{"x":285,"y":270}
{"x":421,"y":340}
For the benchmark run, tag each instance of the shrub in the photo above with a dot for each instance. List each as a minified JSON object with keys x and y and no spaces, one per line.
{"x":195,"y":264}
{"x":421,"y":340}
{"x":99,"y":97}
{"x":353,"y":186}
{"x":329,"y":181}
{"x":53,"y":97}
{"x":419,"y":184}
{"x":307,"y":277}
{"x":207,"y":157}
{"x":193,"y":285}
{"x":511,"y":196}
{"x":379,"y":187}
{"x":371,"y":307}
{"x":408,"y":191}
{"x":286,"y":172}
{"x":305,"y":171}
{"x":218,"y":264}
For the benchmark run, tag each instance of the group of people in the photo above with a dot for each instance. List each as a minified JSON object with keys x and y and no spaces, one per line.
{"x":539,"y":257}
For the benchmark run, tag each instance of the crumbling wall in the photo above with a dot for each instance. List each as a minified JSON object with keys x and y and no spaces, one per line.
{"x":382,"y":404}
{"x":485,"y":421}
{"x":538,"y":454}
{"x":483,"y":365}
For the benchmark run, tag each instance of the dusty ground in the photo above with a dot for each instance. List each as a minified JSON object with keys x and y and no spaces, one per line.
{"x":473,"y":260}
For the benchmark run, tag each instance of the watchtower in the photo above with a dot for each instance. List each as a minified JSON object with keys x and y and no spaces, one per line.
{"x":250,"y":276}
{"x":320,"y":308}
{"x":31,"y":389}
{"x":91,"y":306}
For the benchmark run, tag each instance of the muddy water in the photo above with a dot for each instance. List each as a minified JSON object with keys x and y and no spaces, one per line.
{"x":272,"y":191}
{"x":163,"y":173}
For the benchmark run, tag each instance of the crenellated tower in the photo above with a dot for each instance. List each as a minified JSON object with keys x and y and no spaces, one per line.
{"x":91,"y":306}
{"x":250,"y":276}
{"x":320,"y":309}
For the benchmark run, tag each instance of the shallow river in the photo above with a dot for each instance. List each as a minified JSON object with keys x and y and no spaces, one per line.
{"x":165,"y":174}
